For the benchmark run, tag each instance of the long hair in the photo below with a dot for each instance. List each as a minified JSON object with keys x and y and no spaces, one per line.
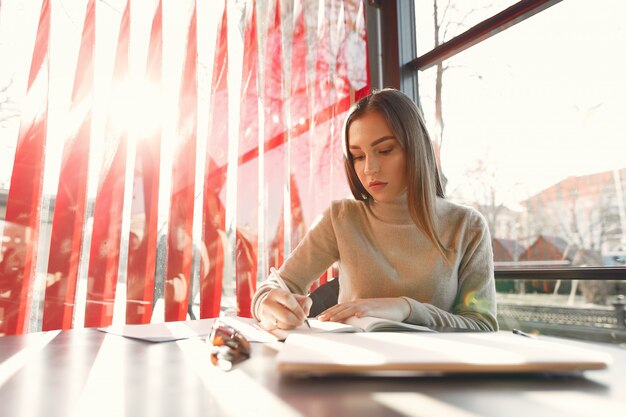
{"x":407,"y":124}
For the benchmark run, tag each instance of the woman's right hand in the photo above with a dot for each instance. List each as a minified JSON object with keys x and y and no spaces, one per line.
{"x":281,"y":309}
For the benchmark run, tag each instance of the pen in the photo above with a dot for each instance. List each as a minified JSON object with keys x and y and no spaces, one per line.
{"x":283,"y":285}
{"x":521,"y":333}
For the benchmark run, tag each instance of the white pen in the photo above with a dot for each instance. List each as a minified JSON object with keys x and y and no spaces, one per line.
{"x":283,"y":285}
{"x":521,"y":333}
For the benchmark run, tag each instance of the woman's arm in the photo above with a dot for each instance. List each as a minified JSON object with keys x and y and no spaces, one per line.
{"x":314,"y":254}
{"x":475,"y":303}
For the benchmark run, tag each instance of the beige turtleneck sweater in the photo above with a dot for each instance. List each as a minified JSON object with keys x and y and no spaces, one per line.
{"x":381,"y":253}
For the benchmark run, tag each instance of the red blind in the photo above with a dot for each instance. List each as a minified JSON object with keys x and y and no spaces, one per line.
{"x":192,"y":145}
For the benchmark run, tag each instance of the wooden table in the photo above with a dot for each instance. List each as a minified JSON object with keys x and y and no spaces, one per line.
{"x":89,"y":373}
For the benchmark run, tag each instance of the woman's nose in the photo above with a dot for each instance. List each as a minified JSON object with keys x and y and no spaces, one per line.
{"x":371,"y":166}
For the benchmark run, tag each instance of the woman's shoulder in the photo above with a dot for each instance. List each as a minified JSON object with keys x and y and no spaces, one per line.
{"x":337,"y":212}
{"x":457,"y":212}
{"x":347,"y":206}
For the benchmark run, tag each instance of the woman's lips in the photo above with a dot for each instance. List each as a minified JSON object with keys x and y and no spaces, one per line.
{"x":377,"y":185}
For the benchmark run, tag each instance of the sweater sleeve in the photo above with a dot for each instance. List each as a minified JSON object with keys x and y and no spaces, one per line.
{"x":475,"y":303}
{"x":317,"y":251}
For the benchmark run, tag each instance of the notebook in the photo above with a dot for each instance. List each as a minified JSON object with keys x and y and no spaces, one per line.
{"x":432,"y":353}
{"x":352,"y":325}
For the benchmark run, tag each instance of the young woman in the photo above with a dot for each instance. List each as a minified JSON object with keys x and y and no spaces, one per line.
{"x":404,"y":252}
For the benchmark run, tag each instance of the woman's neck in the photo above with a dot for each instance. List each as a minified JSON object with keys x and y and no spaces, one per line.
{"x":395,"y":211}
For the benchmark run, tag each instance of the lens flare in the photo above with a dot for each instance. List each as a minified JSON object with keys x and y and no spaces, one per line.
{"x":136,"y":108}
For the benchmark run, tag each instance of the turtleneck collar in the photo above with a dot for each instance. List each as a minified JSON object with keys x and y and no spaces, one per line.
{"x":395,"y":212}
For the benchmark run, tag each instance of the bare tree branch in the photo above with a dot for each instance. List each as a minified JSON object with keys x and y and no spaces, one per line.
{"x":8,"y":108}
{"x":461,"y":23}
{"x":445,"y":12}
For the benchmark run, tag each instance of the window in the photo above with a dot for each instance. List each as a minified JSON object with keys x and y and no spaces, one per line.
{"x":530,"y":132}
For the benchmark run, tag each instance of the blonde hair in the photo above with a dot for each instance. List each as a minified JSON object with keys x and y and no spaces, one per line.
{"x":407,"y":124}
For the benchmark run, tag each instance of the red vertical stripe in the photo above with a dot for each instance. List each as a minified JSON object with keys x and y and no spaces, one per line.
{"x":360,"y":49}
{"x":300,"y":178}
{"x":69,"y":209}
{"x":40,"y":53}
{"x":107,"y":219}
{"x":24,"y":200}
{"x":180,"y":243}
{"x":275,"y":171}
{"x":247,"y":176}
{"x":299,"y":106}
{"x":341,"y":84}
{"x":322,"y":112}
{"x":215,"y":177}
{"x":298,"y":225}
{"x":142,"y":239}
{"x":341,"y":81}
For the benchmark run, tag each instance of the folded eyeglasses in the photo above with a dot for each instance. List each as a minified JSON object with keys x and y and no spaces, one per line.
{"x":228,"y":346}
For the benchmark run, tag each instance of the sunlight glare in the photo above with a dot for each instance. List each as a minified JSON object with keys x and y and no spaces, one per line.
{"x":14,"y":363}
{"x":419,"y":405}
{"x":136,"y":108}
{"x":105,"y":384}
{"x":576,"y":403}
{"x":259,"y":400}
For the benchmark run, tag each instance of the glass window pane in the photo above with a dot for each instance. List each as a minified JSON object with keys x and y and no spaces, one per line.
{"x":580,"y":309}
{"x":453,"y":16}
{"x":533,"y":133}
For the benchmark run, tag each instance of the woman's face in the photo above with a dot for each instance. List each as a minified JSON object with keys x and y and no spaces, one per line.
{"x":379,"y":160}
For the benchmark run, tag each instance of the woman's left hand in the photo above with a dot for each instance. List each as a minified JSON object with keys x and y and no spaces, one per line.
{"x":397,"y":309}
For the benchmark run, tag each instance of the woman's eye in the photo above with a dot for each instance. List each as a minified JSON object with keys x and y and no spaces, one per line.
{"x":386,"y":151}
{"x":358,"y":157}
